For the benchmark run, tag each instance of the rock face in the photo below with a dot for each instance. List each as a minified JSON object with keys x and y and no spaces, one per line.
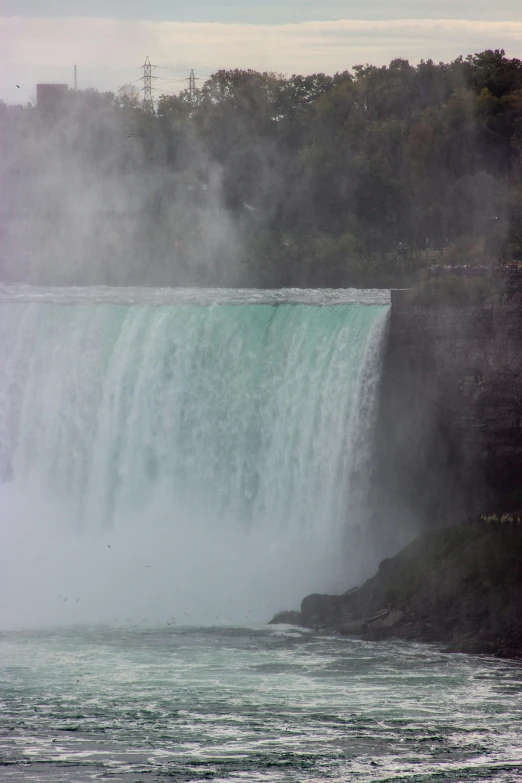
{"x":460,"y":586}
{"x":448,"y":444}
{"x":449,"y":432}
{"x":287,"y":618}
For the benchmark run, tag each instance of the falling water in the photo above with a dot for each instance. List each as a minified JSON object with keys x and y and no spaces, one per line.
{"x":203,"y":458}
{"x":182,"y":450}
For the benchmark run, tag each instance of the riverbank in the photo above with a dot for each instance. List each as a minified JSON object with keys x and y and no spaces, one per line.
{"x":459,"y":586}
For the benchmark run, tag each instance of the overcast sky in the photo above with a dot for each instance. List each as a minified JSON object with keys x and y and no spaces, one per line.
{"x":41,"y":40}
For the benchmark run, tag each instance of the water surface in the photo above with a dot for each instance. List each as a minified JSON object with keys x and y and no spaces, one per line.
{"x":251,"y":704}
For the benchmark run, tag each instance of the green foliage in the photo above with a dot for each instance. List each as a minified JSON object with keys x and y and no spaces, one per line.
{"x":359,"y":178}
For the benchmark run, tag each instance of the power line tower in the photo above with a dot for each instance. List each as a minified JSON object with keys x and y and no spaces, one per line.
{"x":192,"y":86}
{"x":148,"y":101}
{"x":75,"y":78}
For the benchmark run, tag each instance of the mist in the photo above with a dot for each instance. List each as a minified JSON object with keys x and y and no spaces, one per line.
{"x":204,"y":461}
{"x":162,"y":565}
{"x":88,"y":197}
{"x":363,"y":178}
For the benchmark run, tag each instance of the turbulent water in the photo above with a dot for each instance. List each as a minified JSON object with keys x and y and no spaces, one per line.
{"x":182,"y":448}
{"x":251,"y":705}
{"x":179,"y":465}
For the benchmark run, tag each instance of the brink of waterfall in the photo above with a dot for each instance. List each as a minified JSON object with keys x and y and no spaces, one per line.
{"x":205,"y":454}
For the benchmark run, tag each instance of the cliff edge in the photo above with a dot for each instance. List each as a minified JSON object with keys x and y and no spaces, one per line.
{"x":460,"y":586}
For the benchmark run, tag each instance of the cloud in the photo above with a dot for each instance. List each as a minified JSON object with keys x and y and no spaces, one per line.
{"x":266,"y":11}
{"x":108,"y":52}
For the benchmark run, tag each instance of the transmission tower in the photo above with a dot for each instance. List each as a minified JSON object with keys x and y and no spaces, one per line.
{"x":148,"y":102}
{"x":192,"y":87}
{"x":75,"y":78}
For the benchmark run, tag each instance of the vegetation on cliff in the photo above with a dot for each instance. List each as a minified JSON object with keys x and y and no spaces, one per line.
{"x":460,"y":586}
{"x":359,"y":179}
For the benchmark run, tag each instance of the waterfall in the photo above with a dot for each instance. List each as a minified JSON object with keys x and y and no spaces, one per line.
{"x":224,"y":436}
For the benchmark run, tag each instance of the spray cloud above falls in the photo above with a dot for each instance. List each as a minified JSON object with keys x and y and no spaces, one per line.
{"x":256,"y":179}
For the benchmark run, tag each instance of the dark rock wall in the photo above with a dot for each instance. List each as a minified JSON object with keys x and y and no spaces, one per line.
{"x":449,"y":431}
{"x":461,"y":585}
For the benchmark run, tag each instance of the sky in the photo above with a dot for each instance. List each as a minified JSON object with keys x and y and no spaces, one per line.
{"x":108,"y":40}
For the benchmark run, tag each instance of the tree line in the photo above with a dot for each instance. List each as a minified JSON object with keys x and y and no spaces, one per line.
{"x":257,"y":179}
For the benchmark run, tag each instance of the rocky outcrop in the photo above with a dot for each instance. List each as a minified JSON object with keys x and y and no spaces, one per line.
{"x":459,"y":586}
{"x":287,"y":618}
{"x":448,"y":444}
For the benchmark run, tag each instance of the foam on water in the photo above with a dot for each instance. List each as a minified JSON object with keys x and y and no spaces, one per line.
{"x":204,"y":457}
{"x":231,"y":704}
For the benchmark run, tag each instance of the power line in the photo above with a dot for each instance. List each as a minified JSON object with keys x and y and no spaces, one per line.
{"x":212,"y":67}
{"x":172,"y":72}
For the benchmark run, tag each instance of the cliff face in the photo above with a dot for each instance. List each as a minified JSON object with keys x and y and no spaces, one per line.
{"x":460,"y":586}
{"x":449,"y":436}
{"x":448,"y":445}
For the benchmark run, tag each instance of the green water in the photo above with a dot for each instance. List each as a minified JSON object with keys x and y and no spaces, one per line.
{"x":251,"y":410}
{"x":161,"y":447}
{"x":251,"y":704}
{"x":179,"y":466}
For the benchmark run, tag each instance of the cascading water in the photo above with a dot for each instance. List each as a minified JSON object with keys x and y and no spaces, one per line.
{"x":197,"y":454}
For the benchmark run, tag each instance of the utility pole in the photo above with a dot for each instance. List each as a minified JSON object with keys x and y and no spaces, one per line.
{"x":192,"y":87}
{"x":75,"y":78}
{"x":148,"y":102}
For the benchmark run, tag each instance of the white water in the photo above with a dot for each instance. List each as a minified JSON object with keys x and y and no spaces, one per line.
{"x":197,"y":454}
{"x":271,"y":705}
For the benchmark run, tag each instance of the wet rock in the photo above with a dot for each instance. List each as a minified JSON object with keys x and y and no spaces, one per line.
{"x":460,"y":586}
{"x":353,"y":628}
{"x":288,"y":618}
